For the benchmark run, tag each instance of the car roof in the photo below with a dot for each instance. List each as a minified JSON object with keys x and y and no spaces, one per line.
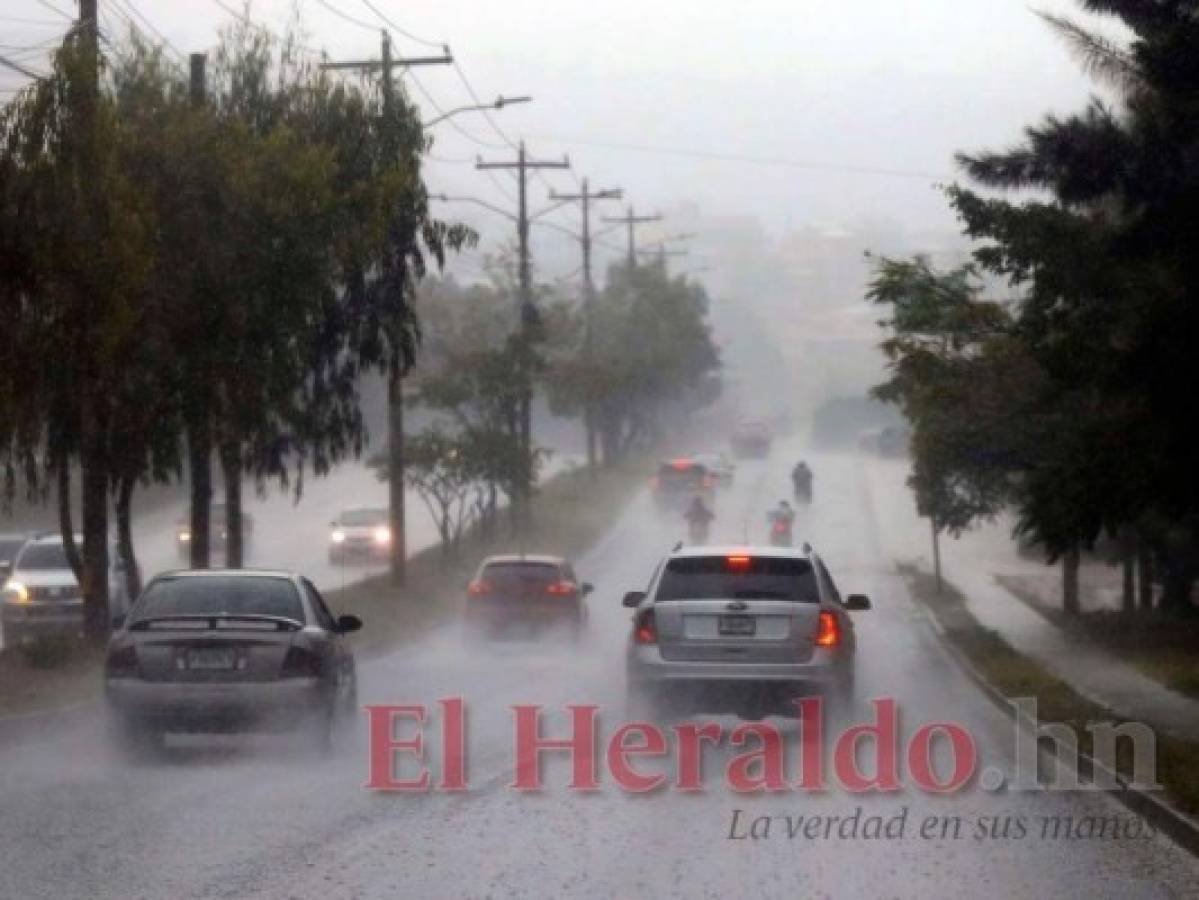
{"x":534,"y":558}
{"x":243,"y":573}
{"x":692,"y":552}
{"x":378,"y":510}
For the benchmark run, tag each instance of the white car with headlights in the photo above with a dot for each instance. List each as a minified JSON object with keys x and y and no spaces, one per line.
{"x":42,"y":598}
{"x":360,"y":535}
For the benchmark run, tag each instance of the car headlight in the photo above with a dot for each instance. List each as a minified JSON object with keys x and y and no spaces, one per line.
{"x":15,"y":592}
{"x":382,"y":535}
{"x":338,"y":536}
{"x":184,"y":537}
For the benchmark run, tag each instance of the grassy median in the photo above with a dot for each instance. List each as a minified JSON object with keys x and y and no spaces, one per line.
{"x":1014,"y":675}
{"x":569,"y":513}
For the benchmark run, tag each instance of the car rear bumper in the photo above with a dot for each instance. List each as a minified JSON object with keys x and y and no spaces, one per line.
{"x":215,"y":705}
{"x":646,"y":666}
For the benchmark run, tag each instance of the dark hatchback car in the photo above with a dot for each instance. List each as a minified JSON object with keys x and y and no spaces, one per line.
{"x":523,"y":594}
{"x":679,"y":481}
{"x":223,"y":650}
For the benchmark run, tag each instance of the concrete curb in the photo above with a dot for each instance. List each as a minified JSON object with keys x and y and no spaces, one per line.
{"x":1181,"y":828}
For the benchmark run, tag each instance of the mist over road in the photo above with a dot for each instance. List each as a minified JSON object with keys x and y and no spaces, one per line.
{"x":257,"y":817}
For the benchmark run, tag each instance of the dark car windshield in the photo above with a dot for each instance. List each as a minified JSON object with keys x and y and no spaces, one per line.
{"x":43,"y":558}
{"x":520,"y":576}
{"x":9,"y":547}
{"x":217,"y":595}
{"x":363,"y":517}
{"x":738,"y":578}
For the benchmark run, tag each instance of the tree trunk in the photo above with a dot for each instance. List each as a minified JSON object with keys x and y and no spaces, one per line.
{"x":936,"y":553}
{"x":398,"y":551}
{"x":1128,"y":560}
{"x":1070,"y":564}
{"x":231,"y":468}
{"x":199,"y":461}
{"x":1144,"y":574}
{"x":124,"y":511}
{"x":94,"y":584}
{"x":66,"y":523}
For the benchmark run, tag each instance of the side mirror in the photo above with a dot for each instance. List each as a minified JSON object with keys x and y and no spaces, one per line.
{"x":586,"y":588}
{"x":633,"y":599}
{"x":857,"y":602}
{"x":347,"y":624}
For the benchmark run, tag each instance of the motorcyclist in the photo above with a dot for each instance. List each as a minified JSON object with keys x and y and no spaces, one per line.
{"x":698,"y":517}
{"x":782,"y":521}
{"x":801,"y":481}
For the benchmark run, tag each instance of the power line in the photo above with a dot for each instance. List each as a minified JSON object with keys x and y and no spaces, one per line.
{"x":345,"y":16}
{"x":129,"y":5}
{"x":748,"y":159}
{"x":403,"y":31}
{"x":54,"y":9}
{"x":17,"y":67}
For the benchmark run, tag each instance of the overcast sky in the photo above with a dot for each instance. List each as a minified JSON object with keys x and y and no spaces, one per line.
{"x":889,"y":85}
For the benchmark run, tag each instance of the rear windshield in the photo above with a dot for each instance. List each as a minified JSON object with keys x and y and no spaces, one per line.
{"x":681,"y":473}
{"x":520,"y":575}
{"x":43,"y":557}
{"x":216,"y":595}
{"x":716,"y":578}
{"x":364,"y":517}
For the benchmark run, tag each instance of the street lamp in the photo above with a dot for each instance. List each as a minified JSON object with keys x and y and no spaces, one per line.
{"x":499,"y":103}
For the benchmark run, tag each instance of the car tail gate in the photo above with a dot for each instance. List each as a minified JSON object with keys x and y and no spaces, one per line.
{"x":194,"y":651}
{"x":737,"y":608}
{"x":522,"y":583}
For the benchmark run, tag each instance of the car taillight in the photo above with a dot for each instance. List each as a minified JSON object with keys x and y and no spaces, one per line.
{"x":300,"y":662}
{"x":561,"y":588}
{"x":779,"y":526}
{"x":645,"y":629}
{"x":121,"y":662}
{"x":828,"y":633}
{"x":478,"y":588}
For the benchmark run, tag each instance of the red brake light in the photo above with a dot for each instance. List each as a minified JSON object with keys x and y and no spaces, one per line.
{"x":681,"y":465}
{"x":737,"y":562}
{"x":561,"y":588}
{"x":828,"y":634}
{"x":645,"y":630}
{"x":478,"y":588}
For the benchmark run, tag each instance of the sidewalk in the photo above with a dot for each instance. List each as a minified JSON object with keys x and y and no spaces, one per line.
{"x":971,"y":564}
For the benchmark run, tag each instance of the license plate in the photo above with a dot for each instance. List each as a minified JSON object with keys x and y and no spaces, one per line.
{"x":212,"y":658}
{"x":737,"y":626}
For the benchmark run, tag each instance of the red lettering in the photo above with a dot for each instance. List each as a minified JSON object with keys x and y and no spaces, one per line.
{"x":453,"y":744}
{"x":768,"y":757}
{"x":920,"y":757}
{"x":883,"y":733}
{"x":811,"y":760}
{"x":384,"y":745}
{"x":652,"y":743}
{"x":530,"y":745}
{"x":691,"y":738}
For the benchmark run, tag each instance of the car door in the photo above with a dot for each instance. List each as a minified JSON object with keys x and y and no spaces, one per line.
{"x":340,"y":659}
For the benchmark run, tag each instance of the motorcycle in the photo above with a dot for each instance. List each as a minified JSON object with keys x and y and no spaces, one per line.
{"x":803,"y":491}
{"x":780,"y":532}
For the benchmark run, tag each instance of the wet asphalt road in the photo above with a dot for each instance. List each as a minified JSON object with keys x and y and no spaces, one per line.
{"x":264,"y":818}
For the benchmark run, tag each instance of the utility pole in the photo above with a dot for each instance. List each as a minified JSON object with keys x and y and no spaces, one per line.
{"x":662,"y":253}
{"x":398,"y":551}
{"x":584,"y":198}
{"x":528,"y":312}
{"x":632,"y":220}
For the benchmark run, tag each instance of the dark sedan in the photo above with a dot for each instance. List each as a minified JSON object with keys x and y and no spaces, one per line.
{"x":219,"y":651}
